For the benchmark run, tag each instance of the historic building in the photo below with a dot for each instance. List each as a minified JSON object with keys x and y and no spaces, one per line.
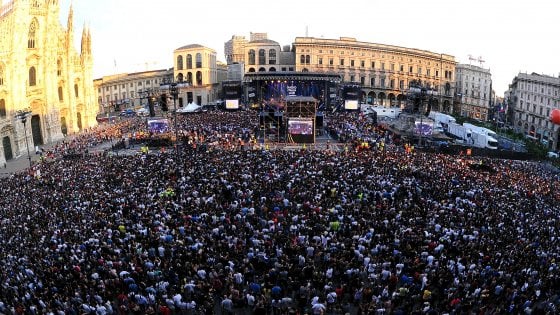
{"x":384,"y":71}
{"x":42,"y":73}
{"x":531,"y":97}
{"x":474,"y":91}
{"x":197,"y":68}
{"x":119,"y":91}
{"x":259,"y":54}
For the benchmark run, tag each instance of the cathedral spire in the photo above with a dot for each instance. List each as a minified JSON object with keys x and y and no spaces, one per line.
{"x":84,"y":46}
{"x":70,"y":23}
{"x":89,"y":40}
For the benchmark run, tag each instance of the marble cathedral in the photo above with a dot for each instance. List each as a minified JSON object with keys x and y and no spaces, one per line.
{"x":42,"y":74}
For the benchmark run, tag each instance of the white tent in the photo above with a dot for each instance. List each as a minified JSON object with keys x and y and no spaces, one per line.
{"x":190,"y":108}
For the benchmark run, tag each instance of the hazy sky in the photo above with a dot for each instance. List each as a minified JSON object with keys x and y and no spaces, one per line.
{"x":511,"y":36}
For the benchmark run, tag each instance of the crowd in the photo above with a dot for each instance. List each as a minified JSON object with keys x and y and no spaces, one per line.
{"x":277,"y":231}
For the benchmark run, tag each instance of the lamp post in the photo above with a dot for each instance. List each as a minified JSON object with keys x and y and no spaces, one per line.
{"x":173,"y":89}
{"x":22,"y":116}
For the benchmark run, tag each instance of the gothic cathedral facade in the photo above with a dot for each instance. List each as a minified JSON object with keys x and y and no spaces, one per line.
{"x":43,"y":76}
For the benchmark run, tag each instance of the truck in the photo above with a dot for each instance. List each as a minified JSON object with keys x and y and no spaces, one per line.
{"x":467,"y":136}
{"x":441,"y":120}
{"x":482,"y":130}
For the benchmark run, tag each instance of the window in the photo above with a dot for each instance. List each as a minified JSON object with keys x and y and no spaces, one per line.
{"x":31,"y":34}
{"x":272,"y":57}
{"x":2,"y":108}
{"x":401,"y":68}
{"x":331,"y":61}
{"x":32,"y":76}
{"x":76,"y":90}
{"x":372,"y":81}
{"x":320,"y":60}
{"x":352,"y":78}
{"x":363,"y":80}
{"x":189,"y":61}
{"x":179,"y":62}
{"x":262,"y":57}
{"x":373,"y":64}
{"x":382,"y":82}
{"x":410,"y":69}
{"x":392,"y":83}
{"x":428,"y":72}
{"x":58,"y":67}
{"x":419,"y":70}
{"x":401,"y":85}
{"x":302,"y":59}
{"x":351,"y":63}
{"x":198,"y":60}
{"x":392,"y":67}
{"x":362,"y":64}
{"x":342,"y":62}
{"x":307,"y":59}
{"x":252,"y":57}
{"x":382,"y":66}
{"x":60,"y":94}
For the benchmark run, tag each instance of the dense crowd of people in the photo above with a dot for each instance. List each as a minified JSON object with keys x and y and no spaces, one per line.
{"x":230,"y":230}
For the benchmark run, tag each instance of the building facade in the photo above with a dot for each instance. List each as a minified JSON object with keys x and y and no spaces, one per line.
{"x":119,"y":91}
{"x":41,"y":72}
{"x":259,"y":54}
{"x":474,"y":91}
{"x":196,"y":66}
{"x":383,"y":71}
{"x":531,"y":98}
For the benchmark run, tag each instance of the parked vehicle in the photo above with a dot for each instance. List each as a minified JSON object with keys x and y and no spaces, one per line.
{"x":467,"y":136}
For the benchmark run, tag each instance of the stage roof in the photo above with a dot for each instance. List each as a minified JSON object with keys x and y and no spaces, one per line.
{"x":291,"y":76}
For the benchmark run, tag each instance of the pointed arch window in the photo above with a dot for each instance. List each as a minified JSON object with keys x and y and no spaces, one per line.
{"x":179,"y":62}
{"x":76,"y":90}
{"x":32,"y":76}
{"x":60,"y":94}
{"x":1,"y":76}
{"x":58,"y":67}
{"x":2,"y":108}
{"x":31,"y":35}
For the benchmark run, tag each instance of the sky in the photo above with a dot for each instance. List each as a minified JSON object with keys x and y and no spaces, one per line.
{"x":510,"y":36}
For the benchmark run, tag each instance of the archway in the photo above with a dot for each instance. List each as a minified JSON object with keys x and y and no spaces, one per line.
{"x":400,"y":99}
{"x":392,"y":98}
{"x":371,"y":98}
{"x":7,"y":144}
{"x":36,"y":130}
{"x":63,"y":126}
{"x":79,"y":116}
{"x":381,"y":97}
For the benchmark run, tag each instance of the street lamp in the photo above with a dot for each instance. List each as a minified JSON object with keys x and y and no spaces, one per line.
{"x":173,"y":89}
{"x":22,"y":116}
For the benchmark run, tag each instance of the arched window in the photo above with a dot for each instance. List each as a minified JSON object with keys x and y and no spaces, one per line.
{"x":180,"y":77}
{"x":272,"y":57}
{"x":189,"y":77}
{"x":189,"y":61}
{"x":179,"y":62}
{"x":60,"y":95}
{"x":31,"y":34}
{"x":2,"y":108}
{"x":199,"y":78}
{"x":59,"y":67}
{"x":1,"y":76}
{"x":76,"y":90}
{"x":252,"y":57}
{"x":262,"y":57}
{"x":302,"y":59}
{"x":198,"y":60}
{"x":32,"y":76}
{"x":307,"y":59}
